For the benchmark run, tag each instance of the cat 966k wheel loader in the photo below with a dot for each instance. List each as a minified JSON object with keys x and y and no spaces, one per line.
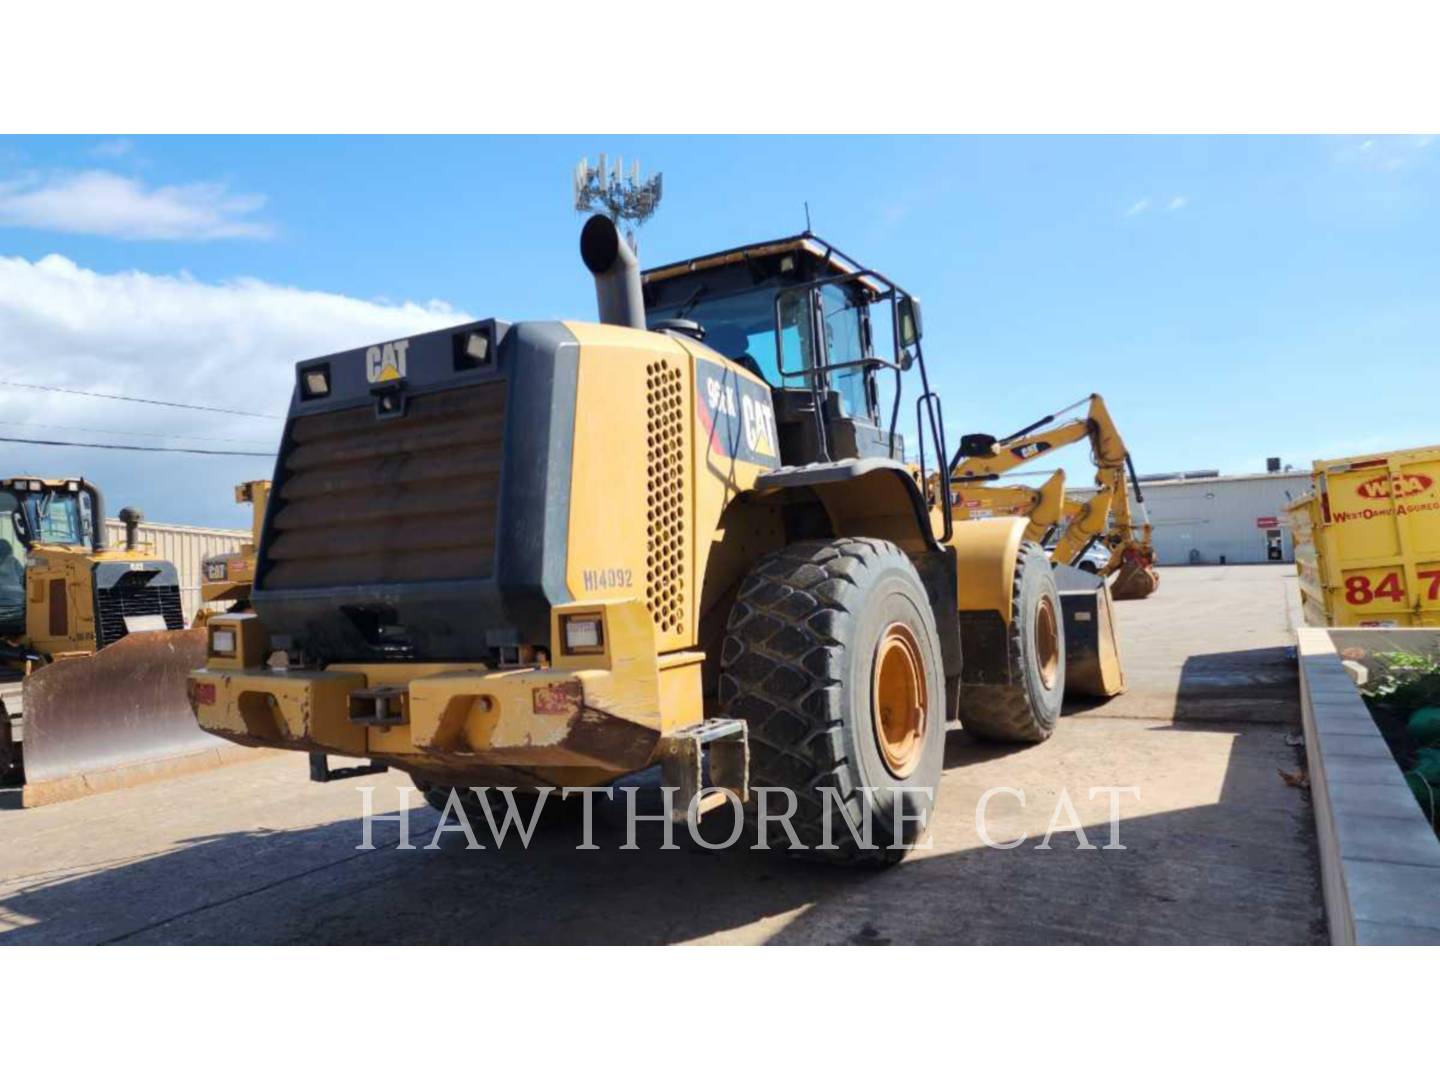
{"x":93,"y":657}
{"x":548,"y":554}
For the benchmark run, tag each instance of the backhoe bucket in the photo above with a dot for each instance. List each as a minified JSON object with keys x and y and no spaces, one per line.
{"x":115,"y":719}
{"x":1135,"y":581}
{"x":1092,"y":653}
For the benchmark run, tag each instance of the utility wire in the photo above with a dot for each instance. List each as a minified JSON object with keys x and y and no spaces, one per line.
{"x":140,"y":434}
{"x":139,"y":400}
{"x":147,"y":449}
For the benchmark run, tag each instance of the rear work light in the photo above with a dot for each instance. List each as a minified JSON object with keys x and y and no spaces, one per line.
{"x":222,"y":642}
{"x":582,"y":634}
{"x":477,"y":347}
{"x":315,"y":382}
{"x":473,"y":348}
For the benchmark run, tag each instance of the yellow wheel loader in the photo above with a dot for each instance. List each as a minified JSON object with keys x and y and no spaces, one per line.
{"x":551,"y":554}
{"x":227,"y":578}
{"x":93,"y":659}
{"x":1069,"y":526}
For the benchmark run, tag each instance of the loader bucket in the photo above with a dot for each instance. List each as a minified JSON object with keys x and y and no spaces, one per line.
{"x":115,"y":719}
{"x":1092,"y":653}
{"x":1134,"y":581}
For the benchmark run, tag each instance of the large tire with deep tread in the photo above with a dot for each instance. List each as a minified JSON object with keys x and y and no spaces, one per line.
{"x":1025,"y":709}
{"x":797,"y":665}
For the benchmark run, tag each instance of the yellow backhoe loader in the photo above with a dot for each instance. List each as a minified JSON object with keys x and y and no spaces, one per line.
{"x":93,"y":659}
{"x":227,"y":578}
{"x":548,"y":554}
{"x":1070,"y":524}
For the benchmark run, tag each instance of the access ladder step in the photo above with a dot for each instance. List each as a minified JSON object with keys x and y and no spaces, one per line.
{"x":726,"y":744}
{"x":322,"y":773}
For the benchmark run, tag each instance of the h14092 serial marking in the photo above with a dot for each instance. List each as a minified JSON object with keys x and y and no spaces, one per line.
{"x":611,"y":578}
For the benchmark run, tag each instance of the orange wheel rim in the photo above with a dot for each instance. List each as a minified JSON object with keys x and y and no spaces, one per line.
{"x":1047,"y":642}
{"x":898,"y":699}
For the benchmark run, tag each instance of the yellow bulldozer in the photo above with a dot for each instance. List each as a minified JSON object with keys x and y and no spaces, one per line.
{"x":227,"y":578}
{"x":93,"y":657}
{"x":1068,"y":527}
{"x":552,"y":554}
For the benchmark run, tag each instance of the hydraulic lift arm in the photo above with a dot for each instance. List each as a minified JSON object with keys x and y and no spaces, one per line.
{"x":1106,"y":515}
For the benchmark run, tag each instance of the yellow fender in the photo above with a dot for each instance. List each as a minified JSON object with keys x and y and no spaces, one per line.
{"x":985,"y":552}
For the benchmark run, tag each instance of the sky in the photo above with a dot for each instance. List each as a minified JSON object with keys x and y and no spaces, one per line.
{"x":1232,"y":298}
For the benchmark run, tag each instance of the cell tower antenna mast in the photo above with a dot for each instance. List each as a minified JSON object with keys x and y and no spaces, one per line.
{"x":629,"y":201}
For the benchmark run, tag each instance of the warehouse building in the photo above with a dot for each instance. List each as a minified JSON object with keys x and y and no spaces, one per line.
{"x":1204,"y":518}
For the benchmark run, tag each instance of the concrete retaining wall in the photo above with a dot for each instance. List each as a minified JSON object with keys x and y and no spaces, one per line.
{"x":1379,"y":858}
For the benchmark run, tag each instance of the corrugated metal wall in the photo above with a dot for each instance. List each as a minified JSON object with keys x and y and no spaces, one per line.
{"x":184,"y":545}
{"x":1203,"y":521}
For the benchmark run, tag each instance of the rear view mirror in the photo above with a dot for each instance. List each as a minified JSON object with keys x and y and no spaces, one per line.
{"x":910,"y":326}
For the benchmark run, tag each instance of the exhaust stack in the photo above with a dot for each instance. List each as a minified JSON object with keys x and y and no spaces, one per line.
{"x":617,"y":273}
{"x":97,"y":515}
{"x":132,"y":518}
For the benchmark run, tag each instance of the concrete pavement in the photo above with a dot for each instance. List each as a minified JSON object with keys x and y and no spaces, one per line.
{"x":1216,"y":847}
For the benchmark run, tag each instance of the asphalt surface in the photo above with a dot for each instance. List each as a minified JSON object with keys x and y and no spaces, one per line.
{"x":1216,"y":846}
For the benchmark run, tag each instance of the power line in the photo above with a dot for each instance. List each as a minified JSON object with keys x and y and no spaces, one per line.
{"x":139,"y":400}
{"x":141,"y":434}
{"x":146,"y":449}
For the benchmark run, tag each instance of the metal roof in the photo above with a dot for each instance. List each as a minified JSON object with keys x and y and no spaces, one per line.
{"x":1301,"y":476}
{"x":809,"y":243}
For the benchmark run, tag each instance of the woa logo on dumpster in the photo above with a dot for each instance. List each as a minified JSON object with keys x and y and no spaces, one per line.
{"x":1405,"y":484}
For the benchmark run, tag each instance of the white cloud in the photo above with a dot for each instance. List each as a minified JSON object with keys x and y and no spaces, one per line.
{"x":103,"y":203}
{"x":1383,"y":153}
{"x":233,"y":344}
{"x":1145,"y":205}
{"x":113,"y":148}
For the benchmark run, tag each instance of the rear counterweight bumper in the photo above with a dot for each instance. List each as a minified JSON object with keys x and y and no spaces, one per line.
{"x":443,"y":718}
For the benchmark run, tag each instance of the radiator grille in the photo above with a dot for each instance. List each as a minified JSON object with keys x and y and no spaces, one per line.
{"x":365,"y":501}
{"x":665,"y":495}
{"x":132,"y":596}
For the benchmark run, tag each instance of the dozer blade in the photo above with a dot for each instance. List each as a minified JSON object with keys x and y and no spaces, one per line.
{"x":1135,"y":581}
{"x":1092,"y":653}
{"x":115,"y":719}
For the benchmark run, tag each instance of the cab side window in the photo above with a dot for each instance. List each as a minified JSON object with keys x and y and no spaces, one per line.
{"x":844,"y":320}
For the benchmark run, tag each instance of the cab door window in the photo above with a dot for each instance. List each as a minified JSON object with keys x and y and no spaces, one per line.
{"x":797,"y":347}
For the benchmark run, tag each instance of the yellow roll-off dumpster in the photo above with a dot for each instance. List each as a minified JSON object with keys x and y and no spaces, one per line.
{"x":1367,"y":540}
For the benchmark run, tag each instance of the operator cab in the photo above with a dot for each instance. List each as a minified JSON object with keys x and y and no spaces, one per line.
{"x":35,"y":511}
{"x":829,"y":336}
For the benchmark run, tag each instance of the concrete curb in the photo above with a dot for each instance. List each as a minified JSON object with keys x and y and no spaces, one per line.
{"x":1379,"y":859}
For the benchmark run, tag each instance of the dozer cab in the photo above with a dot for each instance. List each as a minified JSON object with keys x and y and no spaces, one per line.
{"x":93,"y":657}
{"x":549,"y":554}
{"x":227,"y":578}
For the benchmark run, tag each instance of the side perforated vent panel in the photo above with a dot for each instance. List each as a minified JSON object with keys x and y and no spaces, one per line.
{"x":665,"y":495}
